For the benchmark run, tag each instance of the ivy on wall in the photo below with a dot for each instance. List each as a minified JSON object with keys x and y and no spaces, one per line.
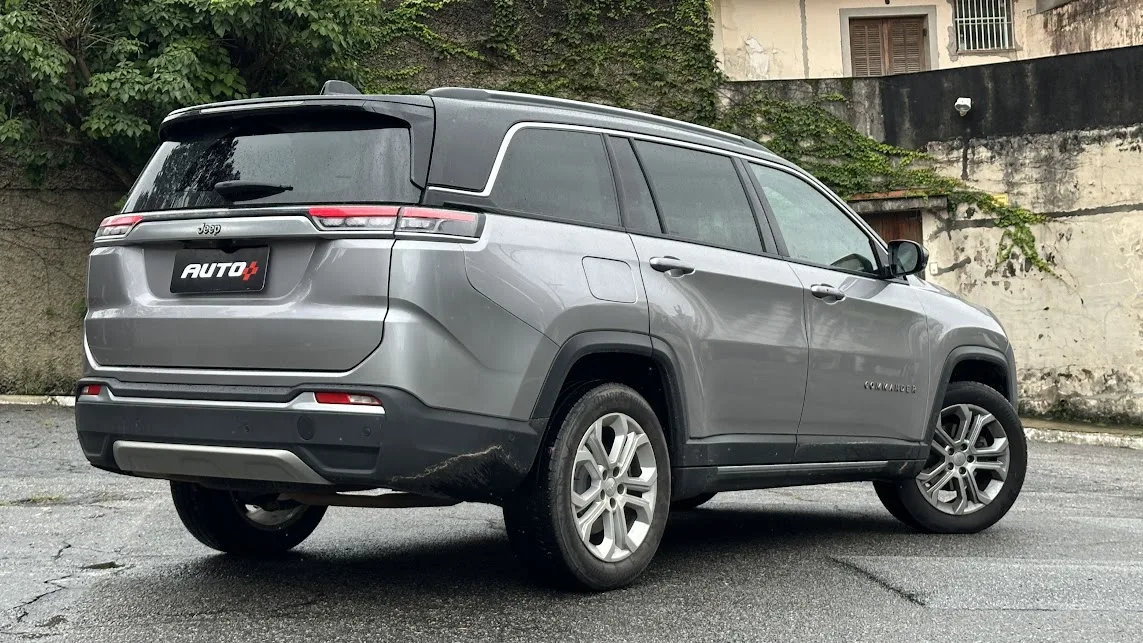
{"x":851,"y":163}
{"x":655,"y":56}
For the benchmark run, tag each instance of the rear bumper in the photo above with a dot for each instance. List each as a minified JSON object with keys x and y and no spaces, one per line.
{"x":231,"y":435}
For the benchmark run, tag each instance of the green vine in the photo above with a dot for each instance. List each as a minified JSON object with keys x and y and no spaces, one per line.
{"x":656,"y":56}
{"x":851,"y":163}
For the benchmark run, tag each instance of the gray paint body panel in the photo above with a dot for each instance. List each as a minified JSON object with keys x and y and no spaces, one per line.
{"x":877,"y":334}
{"x":535,"y":270}
{"x":323,"y":309}
{"x":737,"y":325}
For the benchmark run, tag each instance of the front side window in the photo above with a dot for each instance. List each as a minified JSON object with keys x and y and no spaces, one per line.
{"x":983,"y":25}
{"x":814,"y":229}
{"x":700,"y":196}
{"x":558,"y":174}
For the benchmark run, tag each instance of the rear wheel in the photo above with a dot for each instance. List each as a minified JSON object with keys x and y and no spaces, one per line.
{"x":691,"y":503}
{"x":975,"y":467}
{"x":228,"y":522}
{"x":596,"y":510}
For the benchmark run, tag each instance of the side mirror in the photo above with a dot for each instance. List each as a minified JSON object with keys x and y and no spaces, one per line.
{"x":906,"y":258}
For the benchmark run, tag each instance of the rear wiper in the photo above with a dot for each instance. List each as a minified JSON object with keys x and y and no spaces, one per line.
{"x":246,"y":190}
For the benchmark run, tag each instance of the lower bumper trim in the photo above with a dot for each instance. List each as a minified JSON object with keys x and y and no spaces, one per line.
{"x":165,"y":459}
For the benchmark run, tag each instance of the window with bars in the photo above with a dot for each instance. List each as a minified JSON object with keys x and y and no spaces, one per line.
{"x":882,"y":46}
{"x":983,"y":25}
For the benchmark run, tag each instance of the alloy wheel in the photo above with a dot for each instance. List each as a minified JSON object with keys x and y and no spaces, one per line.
{"x":968,"y":461}
{"x":613,"y":487}
{"x":267,"y":519}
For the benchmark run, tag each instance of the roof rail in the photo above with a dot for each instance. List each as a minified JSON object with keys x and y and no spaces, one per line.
{"x":468,"y":93}
{"x":338,"y":87}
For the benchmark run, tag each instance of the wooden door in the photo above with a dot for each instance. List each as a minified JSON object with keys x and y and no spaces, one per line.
{"x":896,"y":225}
{"x":881,"y":46}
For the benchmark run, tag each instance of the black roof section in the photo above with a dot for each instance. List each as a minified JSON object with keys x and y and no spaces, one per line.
{"x":532,"y":100}
{"x":470,"y":123}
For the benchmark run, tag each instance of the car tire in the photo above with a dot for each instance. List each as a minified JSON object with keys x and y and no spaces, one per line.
{"x":887,"y":493}
{"x":967,"y":483}
{"x":222,"y":520}
{"x":563,"y":493}
{"x":688,"y":504}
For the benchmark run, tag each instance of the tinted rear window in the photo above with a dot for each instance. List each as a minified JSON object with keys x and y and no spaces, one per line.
{"x":553,"y":173}
{"x":700,"y":196}
{"x":323,"y":161}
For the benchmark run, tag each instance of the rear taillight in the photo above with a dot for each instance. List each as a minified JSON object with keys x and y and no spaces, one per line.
{"x":411,"y":219}
{"x":117,"y":226}
{"x":356,"y":217}
{"x":437,"y":221}
{"x":91,"y":389}
{"x":346,"y":398}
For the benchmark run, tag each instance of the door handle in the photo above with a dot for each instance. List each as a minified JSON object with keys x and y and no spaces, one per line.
{"x":671,"y":265}
{"x":827,"y":292}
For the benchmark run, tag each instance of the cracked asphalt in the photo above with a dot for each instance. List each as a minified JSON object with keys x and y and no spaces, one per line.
{"x":90,"y":556}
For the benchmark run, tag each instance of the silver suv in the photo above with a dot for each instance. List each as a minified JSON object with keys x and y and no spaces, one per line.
{"x":586,"y":315}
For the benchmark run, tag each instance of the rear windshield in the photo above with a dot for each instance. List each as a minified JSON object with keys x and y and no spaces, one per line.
{"x":347,"y":160}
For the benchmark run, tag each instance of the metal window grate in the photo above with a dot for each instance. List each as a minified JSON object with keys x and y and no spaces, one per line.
{"x":982,"y":25}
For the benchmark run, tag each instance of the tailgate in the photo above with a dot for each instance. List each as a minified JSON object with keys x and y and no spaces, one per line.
{"x":219,"y":262}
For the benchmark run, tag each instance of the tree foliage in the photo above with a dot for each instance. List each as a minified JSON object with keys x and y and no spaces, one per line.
{"x":91,"y":79}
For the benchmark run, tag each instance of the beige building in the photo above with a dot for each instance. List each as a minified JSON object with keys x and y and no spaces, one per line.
{"x":787,"y":39}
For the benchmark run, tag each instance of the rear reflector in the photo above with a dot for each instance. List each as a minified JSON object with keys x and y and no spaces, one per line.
{"x":346,"y":398}
{"x":91,"y":389}
{"x":383,"y":218}
{"x":117,"y":226}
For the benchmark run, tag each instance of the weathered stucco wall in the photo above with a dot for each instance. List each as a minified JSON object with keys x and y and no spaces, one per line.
{"x":1079,"y":336}
{"x":45,"y":232}
{"x":787,"y":39}
{"x":1084,"y":25}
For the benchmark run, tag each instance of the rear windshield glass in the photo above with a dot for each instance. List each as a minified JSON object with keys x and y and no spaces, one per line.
{"x":320,"y":162}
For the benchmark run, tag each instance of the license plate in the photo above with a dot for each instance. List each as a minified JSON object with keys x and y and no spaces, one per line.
{"x":219,"y":271}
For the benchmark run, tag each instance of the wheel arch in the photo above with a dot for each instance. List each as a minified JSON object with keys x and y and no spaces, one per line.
{"x":627,"y":358}
{"x":972,"y":364}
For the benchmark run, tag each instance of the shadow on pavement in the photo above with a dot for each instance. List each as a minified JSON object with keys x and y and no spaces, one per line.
{"x":383,"y":578}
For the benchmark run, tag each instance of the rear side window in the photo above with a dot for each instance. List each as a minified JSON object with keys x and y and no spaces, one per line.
{"x":700,"y":196}
{"x":553,"y":173}
{"x":348,"y":160}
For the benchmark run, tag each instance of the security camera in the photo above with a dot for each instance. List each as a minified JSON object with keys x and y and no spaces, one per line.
{"x":963,"y":105}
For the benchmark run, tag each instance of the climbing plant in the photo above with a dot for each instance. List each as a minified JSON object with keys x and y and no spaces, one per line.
{"x":851,"y":163}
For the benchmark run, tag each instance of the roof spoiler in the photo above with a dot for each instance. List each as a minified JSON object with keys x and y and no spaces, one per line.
{"x":338,"y":87}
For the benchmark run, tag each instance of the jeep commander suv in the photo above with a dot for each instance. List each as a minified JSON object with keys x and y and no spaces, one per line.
{"x":586,"y":315}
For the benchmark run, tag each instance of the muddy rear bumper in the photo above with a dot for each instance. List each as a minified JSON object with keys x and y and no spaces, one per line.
{"x":406,"y":446}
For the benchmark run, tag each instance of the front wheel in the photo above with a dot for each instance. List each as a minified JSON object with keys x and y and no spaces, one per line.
{"x":226,"y":521}
{"x":596,"y":510}
{"x":975,"y":467}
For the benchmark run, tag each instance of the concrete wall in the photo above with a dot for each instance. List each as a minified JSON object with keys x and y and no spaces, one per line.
{"x":1084,"y":25}
{"x":1079,"y":335}
{"x":1076,"y":92}
{"x":45,"y":233}
{"x":785,"y":39}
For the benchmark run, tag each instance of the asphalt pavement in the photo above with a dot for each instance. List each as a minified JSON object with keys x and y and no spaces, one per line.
{"x":90,"y":556}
